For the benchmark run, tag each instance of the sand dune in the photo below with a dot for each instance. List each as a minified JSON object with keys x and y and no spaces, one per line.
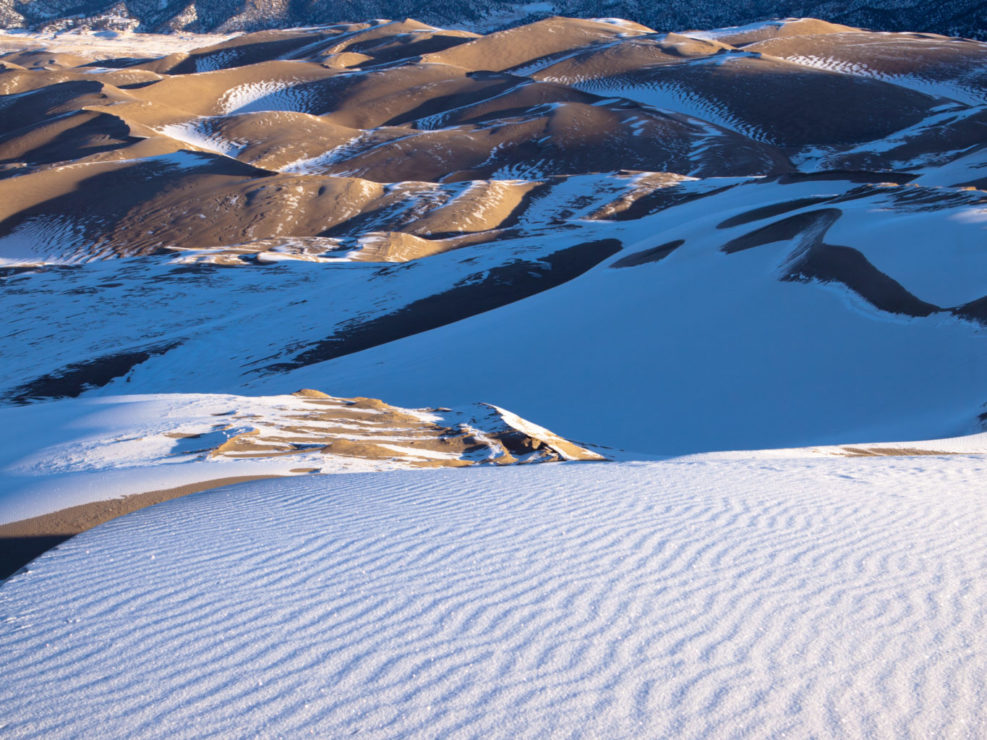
{"x":632,"y":54}
{"x":750,"y":597}
{"x":237,"y":89}
{"x":522,"y":45}
{"x":937,"y":65}
{"x":15,"y":79}
{"x":495,"y":165}
{"x":771,"y":100}
{"x":40,"y":59}
{"x":263,"y":46}
{"x":332,"y":132}
{"x":145,"y":206}
{"x":754,"y":253}
{"x":771,"y":30}
{"x":272,"y":140}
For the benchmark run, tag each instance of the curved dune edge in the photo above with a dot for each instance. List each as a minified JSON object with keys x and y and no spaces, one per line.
{"x":199,"y":436}
{"x":23,"y":541}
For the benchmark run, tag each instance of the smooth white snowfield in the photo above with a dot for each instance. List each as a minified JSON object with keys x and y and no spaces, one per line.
{"x":703,"y":597}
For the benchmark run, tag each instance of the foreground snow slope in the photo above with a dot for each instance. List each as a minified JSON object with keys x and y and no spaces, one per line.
{"x":753,"y":597}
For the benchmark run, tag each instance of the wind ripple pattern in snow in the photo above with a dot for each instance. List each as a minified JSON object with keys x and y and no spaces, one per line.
{"x":824,"y":598}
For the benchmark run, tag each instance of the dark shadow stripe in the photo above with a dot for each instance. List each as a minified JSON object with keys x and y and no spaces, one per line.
{"x":974,"y":310}
{"x":16,"y":552}
{"x":74,"y":379}
{"x":775,"y":209}
{"x":655,"y":254}
{"x":475,"y":294}
{"x":828,"y":263}
{"x":809,"y":227}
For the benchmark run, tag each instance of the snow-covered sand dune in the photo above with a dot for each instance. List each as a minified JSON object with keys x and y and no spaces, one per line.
{"x":759,"y":597}
{"x":655,"y":244}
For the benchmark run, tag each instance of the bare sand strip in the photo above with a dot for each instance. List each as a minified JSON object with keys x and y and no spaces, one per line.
{"x":22,"y":541}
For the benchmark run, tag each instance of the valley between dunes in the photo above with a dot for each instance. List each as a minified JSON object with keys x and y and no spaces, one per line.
{"x":260,"y":289}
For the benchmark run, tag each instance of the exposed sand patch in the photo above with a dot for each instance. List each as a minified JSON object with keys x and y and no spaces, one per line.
{"x":895,"y":452}
{"x":372,"y":429}
{"x":482,"y":206}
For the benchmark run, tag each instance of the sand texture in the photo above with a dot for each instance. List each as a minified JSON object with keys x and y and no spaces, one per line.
{"x":300,"y":134}
{"x":828,"y":598}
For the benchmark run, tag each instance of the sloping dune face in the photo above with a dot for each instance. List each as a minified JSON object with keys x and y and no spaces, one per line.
{"x":300,"y":133}
{"x":423,"y":215}
{"x":245,"y":140}
{"x":839,"y":598}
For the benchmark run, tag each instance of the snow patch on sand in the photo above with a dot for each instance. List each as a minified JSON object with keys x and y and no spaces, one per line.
{"x":45,"y":240}
{"x":954,"y":89}
{"x":199,"y":134}
{"x":268,"y":95}
{"x":671,"y":96}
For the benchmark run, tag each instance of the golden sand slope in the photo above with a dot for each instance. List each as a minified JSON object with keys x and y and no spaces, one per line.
{"x":371,"y":429}
{"x":136,"y":145}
